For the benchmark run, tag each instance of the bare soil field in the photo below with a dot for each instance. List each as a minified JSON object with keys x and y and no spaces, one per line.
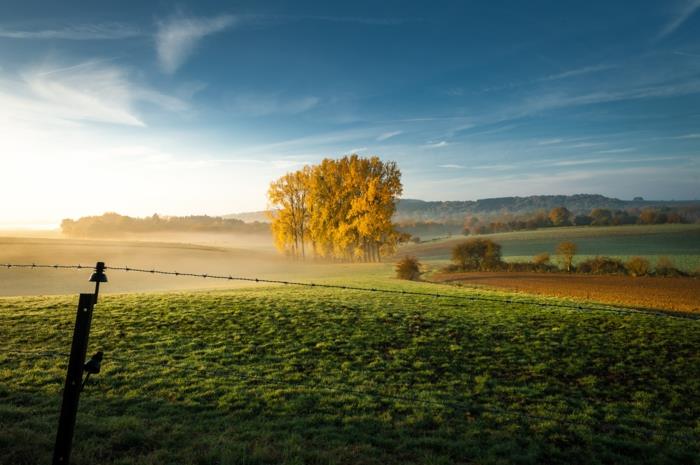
{"x":677,"y":294}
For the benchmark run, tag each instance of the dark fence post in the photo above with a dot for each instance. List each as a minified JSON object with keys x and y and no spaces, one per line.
{"x":76,"y":366}
{"x":74,"y":380}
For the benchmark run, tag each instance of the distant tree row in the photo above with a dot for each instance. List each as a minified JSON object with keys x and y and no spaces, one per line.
{"x":561,"y":216}
{"x":340,"y":209}
{"x":113,"y":224}
{"x":482,"y":254}
{"x":557,"y":217}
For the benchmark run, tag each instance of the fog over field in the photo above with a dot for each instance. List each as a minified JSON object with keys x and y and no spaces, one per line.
{"x":350,"y":233}
{"x":213,"y":254}
{"x":248,"y":256}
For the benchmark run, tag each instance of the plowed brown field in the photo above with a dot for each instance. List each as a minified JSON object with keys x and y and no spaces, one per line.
{"x":677,"y":294}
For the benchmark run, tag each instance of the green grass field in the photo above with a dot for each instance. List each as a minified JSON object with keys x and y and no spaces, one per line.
{"x":282,"y":375}
{"x":679,"y":242}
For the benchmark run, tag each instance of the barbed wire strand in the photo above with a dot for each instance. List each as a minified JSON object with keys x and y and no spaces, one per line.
{"x":462,"y":297}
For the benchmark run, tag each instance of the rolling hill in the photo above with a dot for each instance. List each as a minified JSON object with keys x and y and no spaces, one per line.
{"x":423,"y":210}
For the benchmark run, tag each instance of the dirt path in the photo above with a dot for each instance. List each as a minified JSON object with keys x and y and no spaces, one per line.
{"x":679,"y":294}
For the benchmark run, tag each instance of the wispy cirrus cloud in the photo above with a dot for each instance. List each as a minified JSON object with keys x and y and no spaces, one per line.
{"x":543,"y":102}
{"x":550,"y":141}
{"x":452,"y":166}
{"x":686,"y":54}
{"x":688,"y":136}
{"x":367,"y":20}
{"x":266,"y":104}
{"x":577,"y":72}
{"x":178,"y":36}
{"x":388,"y":135}
{"x":686,"y":11}
{"x":102,"y":31}
{"x":624,"y":150}
{"x":86,"y":92}
{"x":437,"y":145}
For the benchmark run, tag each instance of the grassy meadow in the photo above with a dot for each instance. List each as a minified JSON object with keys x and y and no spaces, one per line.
{"x":679,"y":242}
{"x":286,"y":375}
{"x":234,"y":374}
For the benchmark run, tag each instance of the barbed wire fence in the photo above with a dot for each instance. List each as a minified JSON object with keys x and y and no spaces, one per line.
{"x":462,"y":297}
{"x":77,"y":356}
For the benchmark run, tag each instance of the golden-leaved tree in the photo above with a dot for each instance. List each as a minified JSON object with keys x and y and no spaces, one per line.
{"x":340,"y":208}
{"x":290,"y":217}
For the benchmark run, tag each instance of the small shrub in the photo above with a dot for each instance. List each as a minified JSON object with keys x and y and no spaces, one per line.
{"x":602,"y":265}
{"x":666,"y":267}
{"x":541,"y":259}
{"x":638,"y":266}
{"x":408,"y":268}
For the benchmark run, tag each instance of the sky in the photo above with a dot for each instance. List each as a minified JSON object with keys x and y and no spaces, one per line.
{"x":194,"y":107}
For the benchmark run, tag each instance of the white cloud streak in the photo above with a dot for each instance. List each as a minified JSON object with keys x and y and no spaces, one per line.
{"x":625,"y":150}
{"x":178,"y":36}
{"x":688,"y":9}
{"x":438,"y":145}
{"x":105,"y":31}
{"x":262,"y":105}
{"x":87,"y":92}
{"x":688,"y":136}
{"x":577,"y":72}
{"x":388,"y":135}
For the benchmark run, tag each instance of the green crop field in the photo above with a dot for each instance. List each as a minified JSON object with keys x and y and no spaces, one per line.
{"x":679,"y":242}
{"x":283,"y":375}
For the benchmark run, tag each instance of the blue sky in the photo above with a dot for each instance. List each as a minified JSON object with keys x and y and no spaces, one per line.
{"x":196,"y":107}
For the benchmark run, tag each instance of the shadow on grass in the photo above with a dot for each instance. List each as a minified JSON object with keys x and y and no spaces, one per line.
{"x":287,"y":426}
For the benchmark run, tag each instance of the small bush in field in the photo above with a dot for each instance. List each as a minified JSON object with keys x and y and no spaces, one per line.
{"x":638,"y":266}
{"x":666,"y":267}
{"x":541,"y":259}
{"x":602,"y":265}
{"x":408,"y":268}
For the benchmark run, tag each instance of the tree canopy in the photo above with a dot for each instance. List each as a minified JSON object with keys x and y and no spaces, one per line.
{"x":338,"y":209}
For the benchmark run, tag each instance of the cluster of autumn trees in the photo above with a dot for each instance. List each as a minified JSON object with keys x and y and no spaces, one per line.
{"x":340,"y":209}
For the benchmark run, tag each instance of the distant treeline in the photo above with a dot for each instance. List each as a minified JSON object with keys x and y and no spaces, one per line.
{"x":556,"y":217}
{"x":456,"y":211}
{"x":482,"y":254}
{"x":113,"y":224}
